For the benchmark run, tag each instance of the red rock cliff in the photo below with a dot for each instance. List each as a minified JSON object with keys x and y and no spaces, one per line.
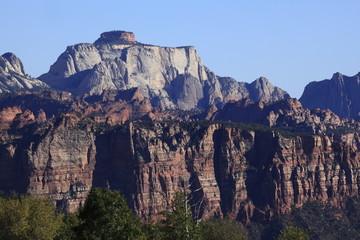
{"x":229,"y":171}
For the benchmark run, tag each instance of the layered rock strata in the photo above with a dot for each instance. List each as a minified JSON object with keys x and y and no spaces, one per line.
{"x":228,"y":170}
{"x":54,"y":160}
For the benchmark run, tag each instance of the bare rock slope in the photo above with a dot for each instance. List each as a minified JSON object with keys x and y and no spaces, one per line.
{"x":13,"y":76}
{"x":169,"y":77}
{"x":340,"y":94}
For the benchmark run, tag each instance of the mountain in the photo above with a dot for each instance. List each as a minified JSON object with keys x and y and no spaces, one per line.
{"x":113,"y":118}
{"x":249,"y":162}
{"x":13,"y":76}
{"x":340,"y":94}
{"x":169,"y":77}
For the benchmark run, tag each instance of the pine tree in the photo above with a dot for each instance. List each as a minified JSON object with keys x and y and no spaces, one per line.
{"x":178,"y":222}
{"x":106,"y":215}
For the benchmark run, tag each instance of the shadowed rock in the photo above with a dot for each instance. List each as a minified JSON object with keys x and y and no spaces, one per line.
{"x":340,"y":94}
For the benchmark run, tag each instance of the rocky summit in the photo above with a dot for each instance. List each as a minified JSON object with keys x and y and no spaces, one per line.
{"x":169,"y":77}
{"x":339,"y":94}
{"x":13,"y":77}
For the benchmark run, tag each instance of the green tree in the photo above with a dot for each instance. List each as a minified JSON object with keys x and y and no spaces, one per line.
{"x":218,"y":229}
{"x":292,"y":232}
{"x":152,"y":231}
{"x":67,"y":230}
{"x":324,"y":221}
{"x":178,"y":222}
{"x":106,"y":215}
{"x":28,"y":218}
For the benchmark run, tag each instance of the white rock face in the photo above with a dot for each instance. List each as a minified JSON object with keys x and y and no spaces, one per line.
{"x":13,"y":77}
{"x":170,"y":77}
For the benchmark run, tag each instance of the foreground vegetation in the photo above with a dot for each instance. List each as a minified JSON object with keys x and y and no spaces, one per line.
{"x":106,"y":215}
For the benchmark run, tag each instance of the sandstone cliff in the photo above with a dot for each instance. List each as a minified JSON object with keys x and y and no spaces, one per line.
{"x":55,"y":160}
{"x":244,"y":174}
{"x":169,"y":77}
{"x":13,"y":76}
{"x":230,"y":170}
{"x":340,"y":94}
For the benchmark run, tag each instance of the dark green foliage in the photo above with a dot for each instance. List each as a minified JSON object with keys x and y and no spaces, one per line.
{"x":144,"y":124}
{"x":152,"y":231}
{"x":340,"y":130}
{"x":102,"y":128}
{"x":178,"y":222}
{"x":67,"y":231}
{"x":352,"y":211}
{"x":106,"y":215}
{"x":196,"y":127}
{"x":28,"y":217}
{"x":292,"y":232}
{"x":258,"y":231}
{"x":320,"y":221}
{"x":221,"y":229}
{"x":324,"y":221}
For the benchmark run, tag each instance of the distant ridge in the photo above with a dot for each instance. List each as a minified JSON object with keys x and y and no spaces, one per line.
{"x":340,"y":94}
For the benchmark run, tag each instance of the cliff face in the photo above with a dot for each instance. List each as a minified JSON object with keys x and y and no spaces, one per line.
{"x":169,"y":77}
{"x":230,"y":171}
{"x":13,"y":76}
{"x":339,"y":94}
{"x":54,"y":160}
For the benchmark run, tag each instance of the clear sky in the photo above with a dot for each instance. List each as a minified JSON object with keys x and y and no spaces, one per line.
{"x":289,"y":42}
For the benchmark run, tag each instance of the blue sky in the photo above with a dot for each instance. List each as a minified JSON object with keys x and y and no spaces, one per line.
{"x":289,"y":42}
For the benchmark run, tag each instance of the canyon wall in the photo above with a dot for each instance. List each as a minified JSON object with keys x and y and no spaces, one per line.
{"x":228,"y":171}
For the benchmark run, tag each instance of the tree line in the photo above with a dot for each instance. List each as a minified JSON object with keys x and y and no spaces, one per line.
{"x":106,"y":215}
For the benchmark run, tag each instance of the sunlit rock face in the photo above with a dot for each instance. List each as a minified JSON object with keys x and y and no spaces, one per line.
{"x":169,"y":77}
{"x":13,"y":77}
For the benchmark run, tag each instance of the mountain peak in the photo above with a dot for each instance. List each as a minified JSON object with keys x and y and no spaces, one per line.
{"x":14,"y":63}
{"x":262,"y":83}
{"x":117,"y":37}
{"x":339,"y":94}
{"x":337,"y":75}
{"x":262,"y":79}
